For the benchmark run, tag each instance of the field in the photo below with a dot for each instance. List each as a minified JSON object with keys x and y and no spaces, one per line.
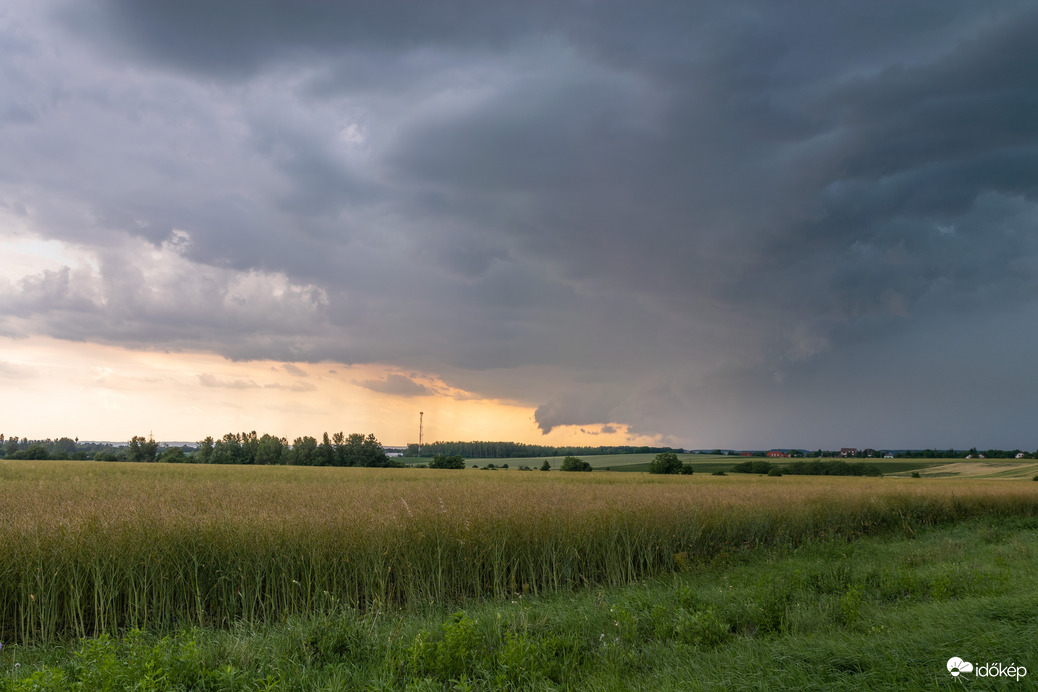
{"x":93,"y":549}
{"x":709,"y":463}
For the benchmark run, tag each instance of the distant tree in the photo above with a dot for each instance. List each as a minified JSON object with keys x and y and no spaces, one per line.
{"x":270,"y":450}
{"x":443,"y":461}
{"x":546,"y":466}
{"x":574,"y":464}
{"x":372,"y":453}
{"x":341,"y":449}
{"x":142,"y":450}
{"x":668,"y":462}
{"x":63,"y":447}
{"x":755,"y":466}
{"x":326,"y":452}
{"x":304,"y":451}
{"x":173,"y":455}
{"x":228,"y":450}
{"x":33,"y":451}
{"x":249,"y":443}
{"x":205,"y":451}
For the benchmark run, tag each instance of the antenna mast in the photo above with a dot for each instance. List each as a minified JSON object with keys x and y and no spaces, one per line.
{"x":420,"y":415}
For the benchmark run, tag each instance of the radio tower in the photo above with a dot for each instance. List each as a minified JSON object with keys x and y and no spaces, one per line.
{"x":420,"y":414}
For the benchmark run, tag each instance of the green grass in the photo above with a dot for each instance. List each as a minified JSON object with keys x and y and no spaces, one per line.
{"x":880,"y":613}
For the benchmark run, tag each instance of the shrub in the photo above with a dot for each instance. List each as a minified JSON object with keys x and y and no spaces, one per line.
{"x":668,"y":462}
{"x":774,"y":472}
{"x":759,"y":466}
{"x":574,"y":464}
{"x":546,"y":466}
{"x":442,"y":461}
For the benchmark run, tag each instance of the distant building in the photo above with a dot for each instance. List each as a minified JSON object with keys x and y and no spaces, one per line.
{"x":774,"y":453}
{"x":848,"y":451}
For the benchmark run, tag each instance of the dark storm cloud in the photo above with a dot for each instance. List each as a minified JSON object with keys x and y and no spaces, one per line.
{"x":674,"y":216}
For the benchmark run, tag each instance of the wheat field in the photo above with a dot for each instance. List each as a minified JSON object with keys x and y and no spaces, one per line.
{"x":92,"y":547}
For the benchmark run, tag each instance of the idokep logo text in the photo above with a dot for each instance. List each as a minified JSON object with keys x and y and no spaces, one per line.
{"x":956,"y":666}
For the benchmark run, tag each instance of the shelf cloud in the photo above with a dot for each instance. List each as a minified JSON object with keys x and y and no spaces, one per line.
{"x":731,"y":223}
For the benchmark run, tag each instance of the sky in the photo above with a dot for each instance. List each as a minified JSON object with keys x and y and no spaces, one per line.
{"x":739,"y":224}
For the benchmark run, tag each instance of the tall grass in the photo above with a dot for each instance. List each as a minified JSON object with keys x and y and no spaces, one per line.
{"x":88,"y":548}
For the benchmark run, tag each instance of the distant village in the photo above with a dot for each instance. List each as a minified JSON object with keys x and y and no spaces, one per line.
{"x":869,"y":453}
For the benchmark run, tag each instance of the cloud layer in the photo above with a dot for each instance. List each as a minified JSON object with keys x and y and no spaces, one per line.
{"x":705,"y":221}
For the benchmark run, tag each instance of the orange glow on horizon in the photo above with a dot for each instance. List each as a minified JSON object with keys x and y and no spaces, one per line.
{"x":56,"y":388}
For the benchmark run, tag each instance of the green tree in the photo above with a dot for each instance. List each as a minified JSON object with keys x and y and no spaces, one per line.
{"x":442,"y":461}
{"x":205,"y":451}
{"x":372,"y":453}
{"x":173,"y":455}
{"x":228,"y":450}
{"x":326,"y":452}
{"x":33,"y":451}
{"x":546,"y":466}
{"x":668,"y":462}
{"x":341,"y":449}
{"x":142,"y":450}
{"x":270,"y":450}
{"x":574,"y":464}
{"x":304,"y":451}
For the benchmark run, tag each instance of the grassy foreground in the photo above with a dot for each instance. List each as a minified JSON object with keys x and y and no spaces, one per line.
{"x":880,"y":613}
{"x":90,"y":548}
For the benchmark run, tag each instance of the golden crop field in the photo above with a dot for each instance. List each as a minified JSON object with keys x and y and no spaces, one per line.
{"x":92,"y":547}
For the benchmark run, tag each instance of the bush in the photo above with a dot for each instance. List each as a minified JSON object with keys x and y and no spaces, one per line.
{"x":442,"y":461}
{"x":574,"y":464}
{"x":760,"y":466}
{"x":668,"y":462}
{"x":546,"y":466}
{"x":774,"y":472}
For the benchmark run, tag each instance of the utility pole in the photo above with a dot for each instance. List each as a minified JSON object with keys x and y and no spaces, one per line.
{"x":420,"y":415}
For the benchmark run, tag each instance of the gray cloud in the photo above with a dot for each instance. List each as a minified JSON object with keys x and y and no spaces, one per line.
{"x":15,"y":371}
{"x":397,"y":385}
{"x":294,"y":387}
{"x":294,"y":370}
{"x":207,"y":379}
{"x":695,"y":219}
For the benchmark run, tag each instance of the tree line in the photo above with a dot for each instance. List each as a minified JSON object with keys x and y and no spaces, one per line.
{"x":337,"y":449}
{"x":834,"y":467}
{"x":61,"y":448}
{"x":508,"y":450}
